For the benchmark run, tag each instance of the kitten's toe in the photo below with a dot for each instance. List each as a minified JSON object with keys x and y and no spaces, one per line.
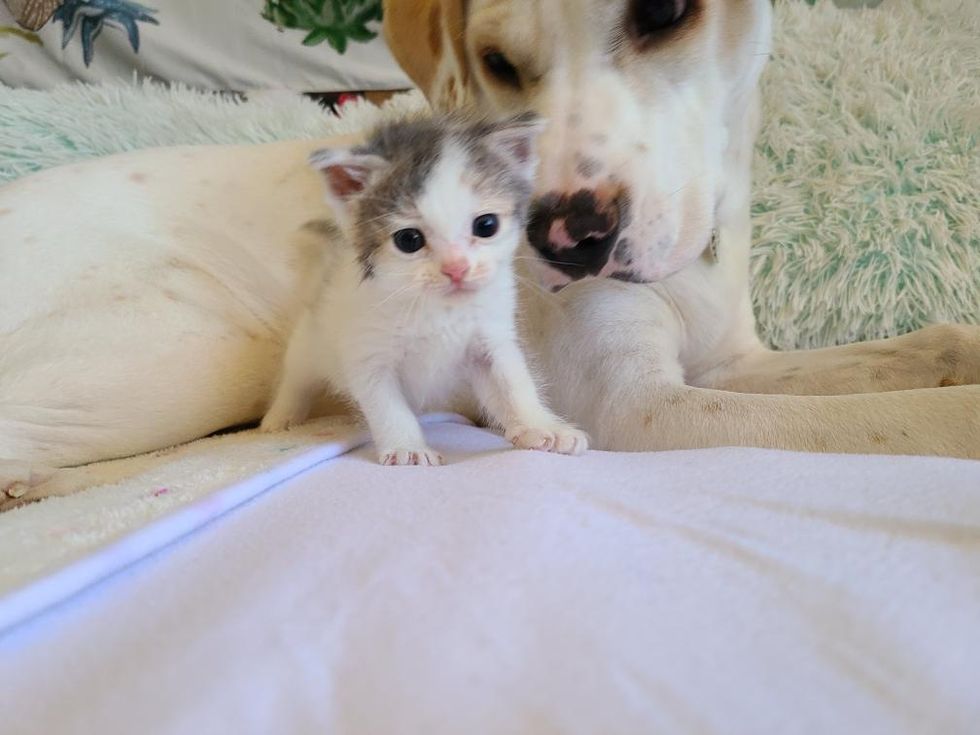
{"x":561,"y":438}
{"x":569,"y":440}
{"x":531,"y":437}
{"x":411,"y":457}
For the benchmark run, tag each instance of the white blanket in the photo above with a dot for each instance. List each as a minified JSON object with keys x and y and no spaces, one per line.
{"x":722,"y":591}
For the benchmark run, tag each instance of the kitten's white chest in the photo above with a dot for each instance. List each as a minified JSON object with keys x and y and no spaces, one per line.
{"x":434,"y":368}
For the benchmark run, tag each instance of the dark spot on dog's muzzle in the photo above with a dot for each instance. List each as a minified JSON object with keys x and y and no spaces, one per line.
{"x":627,"y":277}
{"x":576,"y":234}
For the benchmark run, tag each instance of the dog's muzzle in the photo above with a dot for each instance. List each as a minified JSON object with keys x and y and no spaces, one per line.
{"x":576,"y":234}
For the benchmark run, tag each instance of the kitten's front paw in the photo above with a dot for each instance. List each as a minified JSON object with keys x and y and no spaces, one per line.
{"x":560,"y":438}
{"x":423,"y":457}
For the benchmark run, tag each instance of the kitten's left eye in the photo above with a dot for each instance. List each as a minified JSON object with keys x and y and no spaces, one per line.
{"x":486,"y":226}
{"x":409,"y":240}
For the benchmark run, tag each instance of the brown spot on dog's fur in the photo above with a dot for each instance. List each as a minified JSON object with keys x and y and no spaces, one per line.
{"x":877,"y":438}
{"x":588,"y":167}
{"x":948,"y":382}
{"x":820,"y":443}
{"x":879,"y":374}
{"x":713,"y":407}
{"x":435,"y":30}
{"x":137,"y":178}
{"x":170,"y":294}
{"x":648,"y":421}
{"x":322,"y":228}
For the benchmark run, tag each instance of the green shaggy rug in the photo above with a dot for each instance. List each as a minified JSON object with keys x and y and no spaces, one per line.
{"x":867,"y":196}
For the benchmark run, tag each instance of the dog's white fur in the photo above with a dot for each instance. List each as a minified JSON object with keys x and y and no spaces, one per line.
{"x":145,"y":298}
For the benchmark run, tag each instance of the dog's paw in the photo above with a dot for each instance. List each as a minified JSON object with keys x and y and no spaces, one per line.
{"x":278,"y":421}
{"x":559,"y":438}
{"x":21,"y":482}
{"x":421,"y":457}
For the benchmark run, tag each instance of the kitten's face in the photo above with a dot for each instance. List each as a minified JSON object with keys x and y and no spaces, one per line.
{"x":434,"y":207}
{"x":452,"y":238}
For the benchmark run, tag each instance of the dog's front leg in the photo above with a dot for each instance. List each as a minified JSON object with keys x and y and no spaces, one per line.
{"x":938,"y":356}
{"x":928,"y":421}
{"x":610,"y":355}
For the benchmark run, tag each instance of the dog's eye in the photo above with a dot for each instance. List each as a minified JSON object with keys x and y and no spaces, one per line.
{"x":650,"y":16}
{"x":486,"y":226}
{"x":409,"y":240}
{"x":501,"y":69}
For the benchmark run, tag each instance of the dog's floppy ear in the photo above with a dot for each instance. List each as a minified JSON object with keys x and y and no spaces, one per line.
{"x":426,"y":38}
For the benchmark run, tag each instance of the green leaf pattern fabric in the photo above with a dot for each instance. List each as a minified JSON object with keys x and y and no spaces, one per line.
{"x":315,"y":46}
{"x":335,"y":21}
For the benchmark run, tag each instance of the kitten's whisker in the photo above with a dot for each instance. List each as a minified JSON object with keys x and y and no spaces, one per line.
{"x":372,"y":220}
{"x":686,"y":184}
{"x":534,"y":258}
{"x":392,"y":295}
{"x":416,"y":305}
{"x":535,"y":286}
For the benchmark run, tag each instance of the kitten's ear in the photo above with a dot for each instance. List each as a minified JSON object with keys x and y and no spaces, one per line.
{"x":517,"y":140}
{"x":346,"y":173}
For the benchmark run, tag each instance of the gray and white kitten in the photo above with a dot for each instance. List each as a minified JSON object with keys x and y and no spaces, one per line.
{"x":420,"y":304}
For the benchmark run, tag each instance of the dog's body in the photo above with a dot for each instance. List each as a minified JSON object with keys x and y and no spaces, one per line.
{"x":121,"y":335}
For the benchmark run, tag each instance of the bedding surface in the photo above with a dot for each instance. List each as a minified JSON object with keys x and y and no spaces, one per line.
{"x":721,"y":591}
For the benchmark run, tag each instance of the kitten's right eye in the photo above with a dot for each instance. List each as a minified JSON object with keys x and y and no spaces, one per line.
{"x":409,"y":240}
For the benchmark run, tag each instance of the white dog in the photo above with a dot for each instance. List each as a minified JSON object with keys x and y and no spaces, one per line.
{"x":120,"y":335}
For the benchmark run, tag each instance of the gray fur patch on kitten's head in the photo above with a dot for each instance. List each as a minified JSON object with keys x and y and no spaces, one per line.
{"x":400,"y":157}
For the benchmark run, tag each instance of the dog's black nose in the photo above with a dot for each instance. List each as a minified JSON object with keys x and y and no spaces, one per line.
{"x":574,"y":233}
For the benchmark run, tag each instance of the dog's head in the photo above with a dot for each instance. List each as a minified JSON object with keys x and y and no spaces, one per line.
{"x":650,"y":107}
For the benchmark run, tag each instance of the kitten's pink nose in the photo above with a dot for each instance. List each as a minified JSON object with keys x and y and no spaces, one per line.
{"x":456,"y":270}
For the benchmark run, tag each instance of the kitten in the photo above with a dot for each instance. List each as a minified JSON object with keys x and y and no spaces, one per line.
{"x":420,"y":303}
